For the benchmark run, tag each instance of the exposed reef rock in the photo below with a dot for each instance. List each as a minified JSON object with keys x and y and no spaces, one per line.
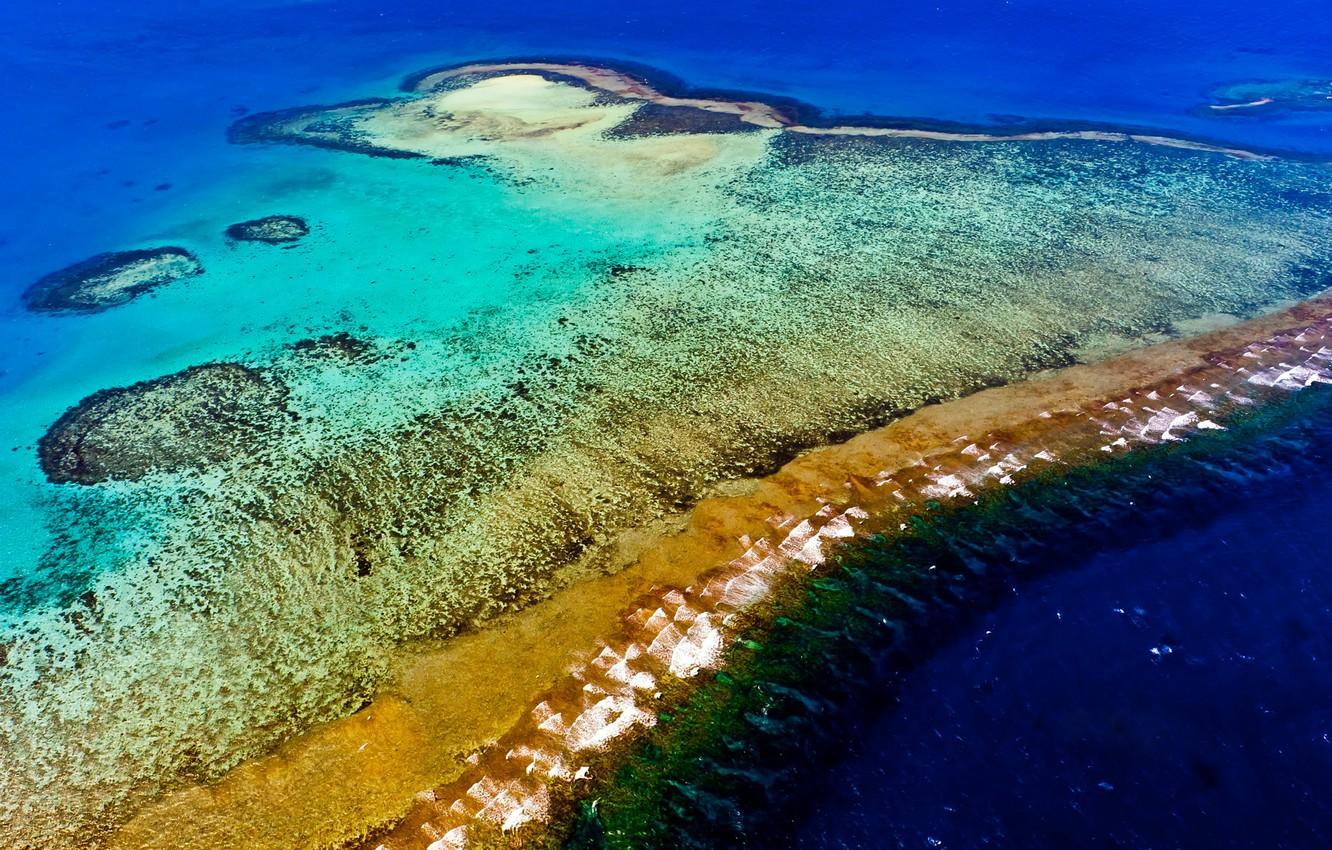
{"x":271,"y":229}
{"x":192,"y":419}
{"x":110,"y":279}
{"x":654,"y":119}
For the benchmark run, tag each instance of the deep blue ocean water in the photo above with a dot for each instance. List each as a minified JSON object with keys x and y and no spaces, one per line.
{"x":1165,"y":695}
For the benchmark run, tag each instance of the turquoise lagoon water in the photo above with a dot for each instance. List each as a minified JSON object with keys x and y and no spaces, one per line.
{"x":400,"y":250}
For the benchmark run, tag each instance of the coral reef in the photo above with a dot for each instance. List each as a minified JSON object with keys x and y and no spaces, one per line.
{"x":110,"y":279}
{"x":718,"y":303}
{"x":271,"y":229}
{"x":190,"y":420}
{"x":339,"y":346}
{"x":636,"y":679}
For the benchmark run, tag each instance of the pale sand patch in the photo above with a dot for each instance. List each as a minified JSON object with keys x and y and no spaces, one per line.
{"x":107,"y":288}
{"x":1220,"y":107}
{"x":342,"y":779}
{"x":618,"y":83}
{"x":537,"y":127}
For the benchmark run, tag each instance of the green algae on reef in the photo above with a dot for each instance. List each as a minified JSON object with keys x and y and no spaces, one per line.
{"x":759,"y":293}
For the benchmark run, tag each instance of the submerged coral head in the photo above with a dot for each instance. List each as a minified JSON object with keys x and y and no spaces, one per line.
{"x":109,"y":280}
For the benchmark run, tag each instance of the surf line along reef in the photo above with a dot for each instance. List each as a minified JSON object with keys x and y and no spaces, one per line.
{"x":770,"y":287}
{"x":624,"y":698}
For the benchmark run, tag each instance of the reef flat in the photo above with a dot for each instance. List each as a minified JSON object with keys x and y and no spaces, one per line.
{"x":691,"y":599}
{"x":108,"y":280}
{"x":731,"y":299}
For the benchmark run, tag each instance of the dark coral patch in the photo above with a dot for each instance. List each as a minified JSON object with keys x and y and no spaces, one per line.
{"x":654,"y":119}
{"x":1267,"y":97}
{"x":271,"y":229}
{"x":339,"y":346}
{"x":110,"y":279}
{"x":188,"y":420}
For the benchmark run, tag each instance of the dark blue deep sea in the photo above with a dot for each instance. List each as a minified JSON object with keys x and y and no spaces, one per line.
{"x":1167,"y":695}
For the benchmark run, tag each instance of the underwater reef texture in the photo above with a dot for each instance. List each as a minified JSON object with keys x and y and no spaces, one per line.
{"x":110,"y":279}
{"x":773,"y":290}
{"x":271,"y":229}
{"x":195,"y":419}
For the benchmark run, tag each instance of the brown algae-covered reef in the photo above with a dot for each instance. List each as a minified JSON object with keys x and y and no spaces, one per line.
{"x":795,"y":288}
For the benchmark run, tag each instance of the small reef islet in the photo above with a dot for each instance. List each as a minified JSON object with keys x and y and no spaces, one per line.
{"x":189,"y":420}
{"x":109,"y":280}
{"x":271,"y":229}
{"x":1271,"y":97}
